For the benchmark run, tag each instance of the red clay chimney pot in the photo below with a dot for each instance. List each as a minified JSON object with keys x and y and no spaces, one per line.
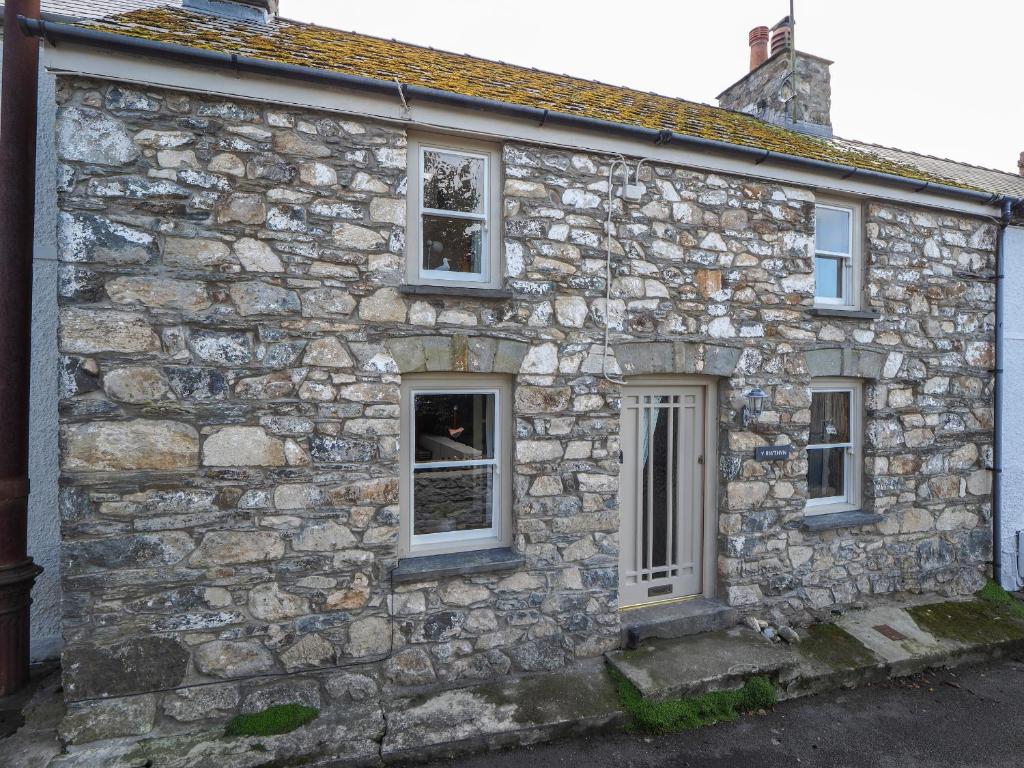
{"x":758,"y":47}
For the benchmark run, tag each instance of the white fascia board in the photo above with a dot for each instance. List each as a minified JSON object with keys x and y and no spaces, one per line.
{"x":72,"y":59}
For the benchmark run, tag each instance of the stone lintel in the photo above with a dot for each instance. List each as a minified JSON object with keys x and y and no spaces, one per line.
{"x":457,"y":353}
{"x":646,"y":358}
{"x":844,"y":361}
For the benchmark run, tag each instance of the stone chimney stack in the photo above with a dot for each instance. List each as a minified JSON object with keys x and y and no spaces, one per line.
{"x":246,"y":10}
{"x":758,"y":47}
{"x":800,"y":100}
{"x":1020,"y":164}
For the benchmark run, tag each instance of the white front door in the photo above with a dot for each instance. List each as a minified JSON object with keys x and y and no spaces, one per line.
{"x":661,"y":494}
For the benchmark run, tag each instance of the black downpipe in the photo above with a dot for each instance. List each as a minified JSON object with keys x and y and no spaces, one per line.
{"x":55,"y":32}
{"x":997,"y":428}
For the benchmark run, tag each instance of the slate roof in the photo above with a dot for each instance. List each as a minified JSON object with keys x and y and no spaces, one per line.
{"x":97,"y":9}
{"x":314,"y":46}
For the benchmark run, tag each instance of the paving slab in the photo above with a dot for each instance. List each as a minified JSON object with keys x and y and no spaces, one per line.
{"x":35,"y":743}
{"x":668,"y":669}
{"x":890,"y":633}
{"x":494,"y":715}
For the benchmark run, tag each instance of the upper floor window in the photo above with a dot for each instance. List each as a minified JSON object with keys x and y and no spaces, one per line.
{"x":837,"y":256}
{"x":455,"y":453}
{"x":834,"y":450}
{"x":454,"y":200}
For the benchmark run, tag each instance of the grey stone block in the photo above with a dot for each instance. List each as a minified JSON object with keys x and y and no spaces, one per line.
{"x":721,"y":361}
{"x":824,"y":362}
{"x":408,"y":354}
{"x":508,"y":358}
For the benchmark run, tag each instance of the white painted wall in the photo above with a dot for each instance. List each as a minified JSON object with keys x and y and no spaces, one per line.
{"x":43,"y":513}
{"x":1012,"y":438}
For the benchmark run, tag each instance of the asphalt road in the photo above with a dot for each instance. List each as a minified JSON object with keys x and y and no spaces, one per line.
{"x":969,"y":717}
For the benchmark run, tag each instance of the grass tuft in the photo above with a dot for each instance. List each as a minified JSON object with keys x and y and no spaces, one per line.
{"x":684,"y":714}
{"x":272,"y":721}
{"x":996,"y":595}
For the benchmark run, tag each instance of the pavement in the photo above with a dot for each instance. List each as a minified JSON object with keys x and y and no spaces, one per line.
{"x":865,"y":647}
{"x":29,"y":719}
{"x":970,"y":716}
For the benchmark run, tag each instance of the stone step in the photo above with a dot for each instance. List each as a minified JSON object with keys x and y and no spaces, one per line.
{"x":690,"y":617}
{"x":715,"y":661}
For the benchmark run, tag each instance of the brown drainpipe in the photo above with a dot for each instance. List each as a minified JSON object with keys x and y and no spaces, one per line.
{"x":17,"y":216}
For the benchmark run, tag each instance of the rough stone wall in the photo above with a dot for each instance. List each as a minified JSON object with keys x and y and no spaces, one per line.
{"x":234,"y":340}
{"x":763,"y":91}
{"x":230,"y":413}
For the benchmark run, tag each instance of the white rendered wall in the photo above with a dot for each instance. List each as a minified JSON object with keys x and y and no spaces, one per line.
{"x":43,"y":508}
{"x":1012,"y":440}
{"x":43,"y":514}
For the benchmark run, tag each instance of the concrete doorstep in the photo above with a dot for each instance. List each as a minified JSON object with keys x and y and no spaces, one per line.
{"x":859,"y":647}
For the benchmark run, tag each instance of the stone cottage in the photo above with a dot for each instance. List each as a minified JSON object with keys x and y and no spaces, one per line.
{"x":386,"y":367}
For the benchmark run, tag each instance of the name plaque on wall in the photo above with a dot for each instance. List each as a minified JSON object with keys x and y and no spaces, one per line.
{"x":772,"y":452}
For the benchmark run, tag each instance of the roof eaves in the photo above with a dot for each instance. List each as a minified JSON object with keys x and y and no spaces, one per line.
{"x":841,"y":160}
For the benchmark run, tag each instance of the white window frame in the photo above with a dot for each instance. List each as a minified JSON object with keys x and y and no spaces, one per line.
{"x":490,"y":258}
{"x":852,"y":261}
{"x":499,"y":534}
{"x":853,"y":469}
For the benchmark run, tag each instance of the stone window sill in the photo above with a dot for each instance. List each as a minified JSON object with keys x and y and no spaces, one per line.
{"x":455,"y":290}
{"x":835,"y":520}
{"x":850,"y":314}
{"x":432,"y":567}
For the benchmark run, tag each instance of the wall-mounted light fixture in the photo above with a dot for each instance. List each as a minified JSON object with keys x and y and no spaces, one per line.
{"x":751,"y":412}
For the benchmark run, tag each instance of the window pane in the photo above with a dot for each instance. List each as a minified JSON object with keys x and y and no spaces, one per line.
{"x":832,"y":230}
{"x":453,"y":182}
{"x":454,"y":427}
{"x":452,"y":499}
{"x":830,"y":417}
{"x":452,"y":245}
{"x":826,"y":472}
{"x":828,"y":277}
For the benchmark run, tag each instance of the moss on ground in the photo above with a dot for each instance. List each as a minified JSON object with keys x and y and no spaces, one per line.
{"x":995,"y":595}
{"x":993,"y":618}
{"x":834,"y":646}
{"x":684,"y":714}
{"x":272,"y":721}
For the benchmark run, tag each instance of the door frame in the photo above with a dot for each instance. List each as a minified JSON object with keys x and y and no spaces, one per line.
{"x":709,"y":518}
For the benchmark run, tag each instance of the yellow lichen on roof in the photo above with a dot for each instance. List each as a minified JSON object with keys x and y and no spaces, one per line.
{"x":334,"y":50}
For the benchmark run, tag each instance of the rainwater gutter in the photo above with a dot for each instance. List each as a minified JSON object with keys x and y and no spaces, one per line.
{"x":55,"y":32}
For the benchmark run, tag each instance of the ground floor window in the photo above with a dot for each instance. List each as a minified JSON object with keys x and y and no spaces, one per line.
{"x":454,"y":463}
{"x":835,"y":446}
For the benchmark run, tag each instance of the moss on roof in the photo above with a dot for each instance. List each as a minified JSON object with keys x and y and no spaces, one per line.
{"x":334,"y":50}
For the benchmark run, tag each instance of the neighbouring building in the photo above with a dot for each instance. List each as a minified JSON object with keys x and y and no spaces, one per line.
{"x":384,"y":367}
